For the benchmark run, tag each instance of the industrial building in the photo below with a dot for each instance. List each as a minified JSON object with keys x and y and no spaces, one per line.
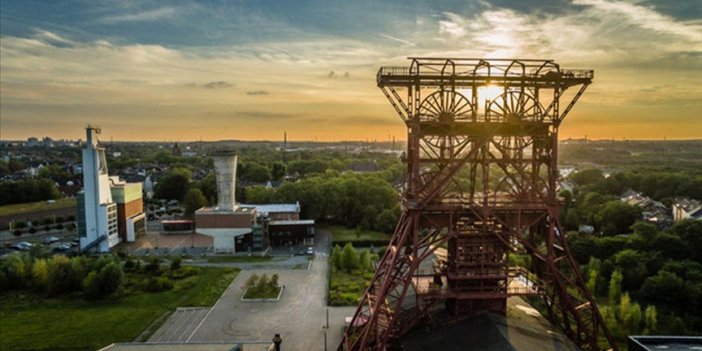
{"x":131,"y":220}
{"x":248,"y":227}
{"x":109,"y":210}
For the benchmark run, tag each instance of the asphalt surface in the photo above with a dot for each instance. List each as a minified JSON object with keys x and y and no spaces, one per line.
{"x":180,"y":325}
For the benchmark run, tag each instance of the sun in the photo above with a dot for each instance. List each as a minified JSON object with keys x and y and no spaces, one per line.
{"x":486,"y":94}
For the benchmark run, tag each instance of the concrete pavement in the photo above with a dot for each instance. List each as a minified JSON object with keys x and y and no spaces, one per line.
{"x":299,"y":316}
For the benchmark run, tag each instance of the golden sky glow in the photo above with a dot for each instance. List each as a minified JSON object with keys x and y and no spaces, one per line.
{"x":244,"y":71}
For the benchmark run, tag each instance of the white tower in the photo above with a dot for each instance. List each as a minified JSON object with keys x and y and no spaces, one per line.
{"x":225,"y":172}
{"x":100,"y":216}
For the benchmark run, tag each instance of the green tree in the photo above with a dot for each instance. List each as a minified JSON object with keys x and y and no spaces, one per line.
{"x":387,"y":219}
{"x":91,"y":286}
{"x":59,"y":276}
{"x":15,"y":271}
{"x":111,"y":278}
{"x":592,"y":276}
{"x":349,"y":258}
{"x":40,"y":273}
{"x":251,"y":282}
{"x":624,"y":307}
{"x":173,"y":185}
{"x":615,"y":287}
{"x":193,"y":200}
{"x":633,"y":320}
{"x":278,"y":170}
{"x":690,"y":231}
{"x":259,"y":194}
{"x":666,"y":289}
{"x":262,"y":285}
{"x":175,"y":264}
{"x":650,"y":320}
{"x":615,"y":217}
{"x":55,"y":173}
{"x":208,"y":186}
{"x":630,"y":263}
{"x":254,"y":172}
{"x":365,"y":260}
{"x":587,"y":176}
{"x":274,"y":282}
{"x":336,"y":258}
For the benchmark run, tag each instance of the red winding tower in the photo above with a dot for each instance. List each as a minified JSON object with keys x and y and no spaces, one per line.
{"x":480,"y":186}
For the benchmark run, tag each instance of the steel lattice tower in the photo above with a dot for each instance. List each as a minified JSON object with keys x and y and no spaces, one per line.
{"x":480,"y":184}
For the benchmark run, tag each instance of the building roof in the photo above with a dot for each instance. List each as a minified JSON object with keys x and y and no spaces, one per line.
{"x":523,"y":329}
{"x":274,"y":208}
{"x":165,"y":346}
{"x":177,"y":221}
{"x":297,"y":222}
{"x":664,"y":342}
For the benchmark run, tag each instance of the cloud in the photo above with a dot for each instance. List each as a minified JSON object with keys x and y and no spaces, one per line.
{"x":217,"y":85}
{"x":144,"y":16}
{"x":126,"y":77}
{"x":647,"y":18}
{"x":402,"y":41}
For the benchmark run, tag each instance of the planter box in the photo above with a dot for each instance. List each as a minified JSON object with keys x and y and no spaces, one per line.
{"x":275,"y":299}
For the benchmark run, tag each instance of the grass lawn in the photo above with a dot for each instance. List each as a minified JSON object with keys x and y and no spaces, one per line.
{"x":341,"y":233}
{"x":36,"y":206}
{"x":31,"y":322}
{"x":236,"y":259}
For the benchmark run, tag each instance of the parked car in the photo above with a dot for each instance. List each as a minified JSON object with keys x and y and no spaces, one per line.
{"x":50,"y":239}
{"x":310,"y":250}
{"x":22,"y":246}
{"x":63,"y":247}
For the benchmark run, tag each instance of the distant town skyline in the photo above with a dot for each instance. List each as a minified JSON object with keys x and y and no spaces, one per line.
{"x":219,"y":70}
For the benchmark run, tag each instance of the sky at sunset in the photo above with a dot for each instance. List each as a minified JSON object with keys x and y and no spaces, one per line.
{"x":212,"y":70}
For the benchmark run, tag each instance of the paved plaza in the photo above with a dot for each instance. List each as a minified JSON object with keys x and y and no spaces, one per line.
{"x":299,"y":316}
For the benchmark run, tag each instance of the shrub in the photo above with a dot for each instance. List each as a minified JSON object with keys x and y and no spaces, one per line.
{"x":17,"y":232}
{"x":154,"y":266}
{"x":32,"y":230}
{"x":157,"y":284}
{"x":60,"y":276}
{"x":349,"y":258}
{"x":60,"y":219}
{"x":47,"y":228}
{"x":251,"y":282}
{"x":48,"y":220}
{"x":91,"y":286}
{"x":111,"y":278}
{"x":21,"y":225}
{"x":59,"y":226}
{"x":3,"y":281}
{"x":175,"y":264}
{"x":40,"y":274}
{"x":15,"y":270}
{"x":183,"y":272}
{"x":71,"y":218}
{"x":129,"y":265}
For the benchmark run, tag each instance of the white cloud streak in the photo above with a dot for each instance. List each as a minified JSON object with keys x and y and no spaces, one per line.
{"x":144,"y":16}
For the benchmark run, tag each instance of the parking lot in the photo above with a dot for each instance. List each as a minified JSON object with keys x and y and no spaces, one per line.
{"x":168,"y":244}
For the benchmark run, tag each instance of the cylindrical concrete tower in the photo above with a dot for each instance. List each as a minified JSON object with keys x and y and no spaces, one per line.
{"x":225,"y":172}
